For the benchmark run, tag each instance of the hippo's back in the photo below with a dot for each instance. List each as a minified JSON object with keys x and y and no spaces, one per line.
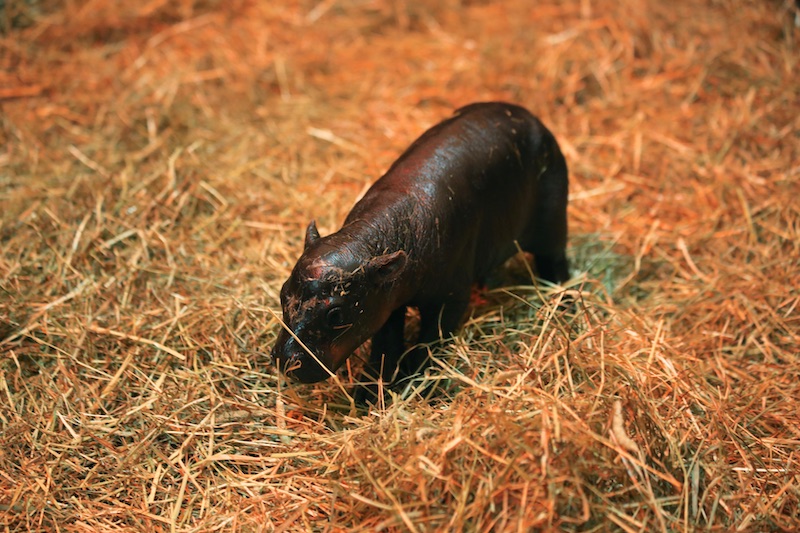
{"x":460,"y":196}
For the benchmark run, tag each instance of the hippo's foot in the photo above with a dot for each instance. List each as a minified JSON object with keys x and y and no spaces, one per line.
{"x":372,"y":393}
{"x":380,"y":394}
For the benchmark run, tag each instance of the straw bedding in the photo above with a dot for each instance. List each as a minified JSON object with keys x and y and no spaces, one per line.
{"x":159,"y":161}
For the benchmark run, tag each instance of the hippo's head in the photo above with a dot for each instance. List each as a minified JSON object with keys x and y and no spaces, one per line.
{"x":332,"y":302}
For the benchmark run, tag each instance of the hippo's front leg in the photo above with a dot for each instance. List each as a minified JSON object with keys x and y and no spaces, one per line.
{"x":437,"y":322}
{"x":388,"y":345}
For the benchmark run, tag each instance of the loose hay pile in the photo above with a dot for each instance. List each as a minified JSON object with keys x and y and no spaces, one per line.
{"x":159,"y":163}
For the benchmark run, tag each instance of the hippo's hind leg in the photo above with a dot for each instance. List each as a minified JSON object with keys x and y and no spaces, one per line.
{"x":388,"y":345}
{"x":546,"y":235}
{"x":554,"y":269}
{"x":548,"y":246}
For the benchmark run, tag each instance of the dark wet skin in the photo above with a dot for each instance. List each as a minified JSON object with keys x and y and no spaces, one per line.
{"x":446,"y":213}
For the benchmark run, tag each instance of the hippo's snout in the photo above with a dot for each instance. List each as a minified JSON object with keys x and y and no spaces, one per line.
{"x":295,"y":363}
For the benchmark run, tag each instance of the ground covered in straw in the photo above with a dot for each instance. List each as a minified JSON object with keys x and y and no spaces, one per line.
{"x":159,"y":161}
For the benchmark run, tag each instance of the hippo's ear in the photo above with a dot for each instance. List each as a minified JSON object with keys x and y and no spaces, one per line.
{"x":311,"y":234}
{"x":388,"y":267}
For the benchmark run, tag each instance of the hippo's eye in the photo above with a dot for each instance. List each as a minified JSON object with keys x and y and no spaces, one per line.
{"x":335,"y":317}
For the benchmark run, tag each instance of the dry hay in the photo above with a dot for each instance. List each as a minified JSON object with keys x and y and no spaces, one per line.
{"x":159,"y":162}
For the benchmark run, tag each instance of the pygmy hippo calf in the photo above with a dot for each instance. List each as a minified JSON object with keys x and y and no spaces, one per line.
{"x":446,"y":213}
